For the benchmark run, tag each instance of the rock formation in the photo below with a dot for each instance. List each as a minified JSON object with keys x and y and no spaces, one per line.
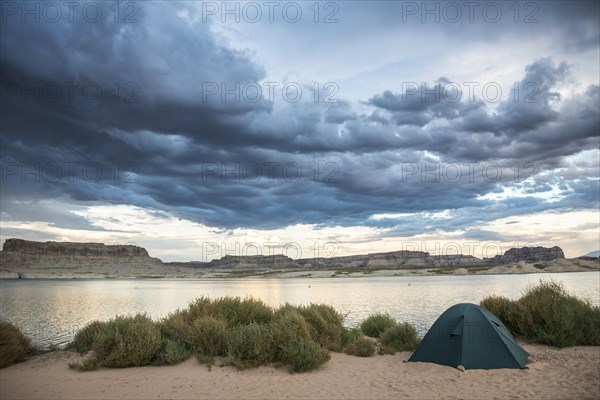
{"x":527,"y":254}
{"x":372,"y":260}
{"x":252,"y":262}
{"x":20,"y":255}
{"x":26,"y":253}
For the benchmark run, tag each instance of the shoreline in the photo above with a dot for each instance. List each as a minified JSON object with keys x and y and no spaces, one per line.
{"x":190,"y":273}
{"x":554,"y":373}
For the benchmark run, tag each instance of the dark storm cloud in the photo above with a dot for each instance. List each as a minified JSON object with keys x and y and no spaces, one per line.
{"x":529,"y":106}
{"x":420,"y":104}
{"x":255,"y":164}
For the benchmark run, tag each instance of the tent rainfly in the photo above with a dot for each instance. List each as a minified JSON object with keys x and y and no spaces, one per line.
{"x":471,"y":336}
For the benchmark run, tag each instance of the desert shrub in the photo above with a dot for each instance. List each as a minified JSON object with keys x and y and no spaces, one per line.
{"x":127,"y":341}
{"x":13,"y":344}
{"x":294,"y":344}
{"x":91,"y":364}
{"x":198,"y":308}
{"x":289,"y":327}
{"x":588,"y":318}
{"x":242,"y":312}
{"x":171,"y":351}
{"x":349,"y":335}
{"x":304,"y":355}
{"x":250,"y":345}
{"x":361,"y":347}
{"x":502,"y":308}
{"x":548,"y":314}
{"x":401,"y":337}
{"x":375,"y":324}
{"x":176,"y":326}
{"x":325,"y":325}
{"x":328,"y":313}
{"x":207,"y":336}
{"x":84,"y":338}
{"x":233,"y":310}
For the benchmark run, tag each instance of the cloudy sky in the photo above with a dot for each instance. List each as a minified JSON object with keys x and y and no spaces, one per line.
{"x":199,"y":129}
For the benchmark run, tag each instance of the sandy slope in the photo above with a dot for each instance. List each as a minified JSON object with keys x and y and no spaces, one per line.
{"x":572,"y":373}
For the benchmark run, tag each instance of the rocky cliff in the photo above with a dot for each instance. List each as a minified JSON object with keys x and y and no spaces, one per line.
{"x":18,"y":253}
{"x":26,"y":253}
{"x":527,"y":254}
{"x":254,"y":262}
{"x":395,"y":259}
{"x":372,"y":260}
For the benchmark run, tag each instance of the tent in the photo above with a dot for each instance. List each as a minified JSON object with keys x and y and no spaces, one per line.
{"x":471,"y":336}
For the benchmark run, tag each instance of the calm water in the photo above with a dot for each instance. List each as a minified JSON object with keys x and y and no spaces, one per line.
{"x":51,"y":311}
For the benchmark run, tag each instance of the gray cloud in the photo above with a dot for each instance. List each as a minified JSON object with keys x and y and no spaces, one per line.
{"x":235,"y":164}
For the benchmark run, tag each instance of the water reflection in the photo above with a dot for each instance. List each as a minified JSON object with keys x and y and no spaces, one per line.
{"x":51,"y":311}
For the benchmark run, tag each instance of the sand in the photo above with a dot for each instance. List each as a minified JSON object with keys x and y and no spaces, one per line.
{"x":572,"y":373}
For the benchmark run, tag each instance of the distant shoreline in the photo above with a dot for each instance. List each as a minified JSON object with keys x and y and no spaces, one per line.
{"x":191,"y":273}
{"x":25,"y":259}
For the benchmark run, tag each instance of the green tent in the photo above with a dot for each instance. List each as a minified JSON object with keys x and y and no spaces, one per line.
{"x":471,"y":336}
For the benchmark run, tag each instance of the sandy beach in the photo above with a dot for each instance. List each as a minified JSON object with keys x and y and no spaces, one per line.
{"x":571,"y":373}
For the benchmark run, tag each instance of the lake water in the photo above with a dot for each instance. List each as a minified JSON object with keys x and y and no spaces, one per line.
{"x":50,"y":311}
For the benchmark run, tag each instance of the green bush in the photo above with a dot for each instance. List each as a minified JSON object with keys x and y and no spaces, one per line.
{"x":127,"y":342}
{"x":289,"y":327}
{"x":548,"y":314}
{"x":243,"y":312}
{"x":361,"y":347}
{"x":13,"y":344}
{"x":375,"y":324}
{"x":501,"y":307}
{"x":349,"y":335}
{"x":233,"y":310}
{"x":171,"y":351}
{"x":588,"y":318}
{"x":305,"y":355}
{"x":176,"y":326}
{"x":207,"y":336}
{"x":250,"y":345}
{"x":402,"y":337}
{"x":84,"y":339}
{"x":325,"y":324}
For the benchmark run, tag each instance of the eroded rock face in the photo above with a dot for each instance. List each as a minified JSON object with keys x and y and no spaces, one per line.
{"x":373,"y":260}
{"x":528,"y":254}
{"x":456,"y":260}
{"x":254,"y":262}
{"x":19,"y":254}
{"x":26,"y":253}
